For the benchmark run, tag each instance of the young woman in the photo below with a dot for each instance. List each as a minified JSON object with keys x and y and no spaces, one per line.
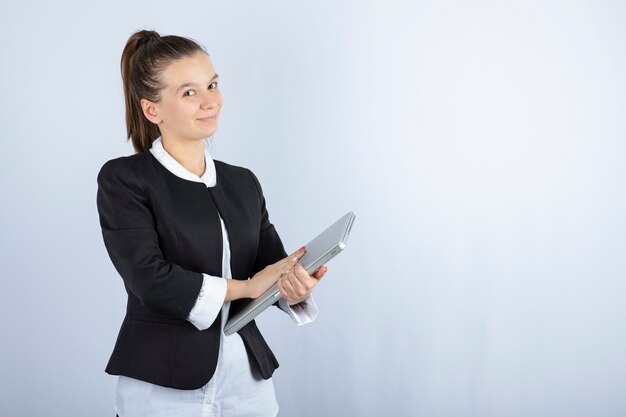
{"x":192,"y":240}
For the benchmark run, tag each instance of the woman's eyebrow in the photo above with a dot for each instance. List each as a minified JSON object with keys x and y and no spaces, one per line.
{"x":215,"y":77}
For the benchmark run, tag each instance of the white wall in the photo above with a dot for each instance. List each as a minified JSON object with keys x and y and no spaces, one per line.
{"x":478,"y":142}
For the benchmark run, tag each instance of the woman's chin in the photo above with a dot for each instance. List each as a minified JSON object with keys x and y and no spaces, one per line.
{"x":209,"y":130}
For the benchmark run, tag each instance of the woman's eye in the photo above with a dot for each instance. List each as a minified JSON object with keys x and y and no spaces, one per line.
{"x":213,"y":85}
{"x":189,"y":91}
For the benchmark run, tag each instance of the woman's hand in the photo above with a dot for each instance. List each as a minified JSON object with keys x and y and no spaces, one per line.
{"x":297,"y":285}
{"x":268,"y":276}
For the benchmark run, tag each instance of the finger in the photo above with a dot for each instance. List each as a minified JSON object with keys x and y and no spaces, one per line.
{"x":285,"y":264}
{"x":290,"y":292}
{"x":291,"y":260}
{"x":283,"y":291}
{"x":288,"y":266}
{"x":320,"y":272}
{"x":301,"y":281}
{"x":307,"y":280}
{"x":299,"y":253}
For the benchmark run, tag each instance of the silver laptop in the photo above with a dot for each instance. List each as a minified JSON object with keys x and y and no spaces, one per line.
{"x":318,"y":251}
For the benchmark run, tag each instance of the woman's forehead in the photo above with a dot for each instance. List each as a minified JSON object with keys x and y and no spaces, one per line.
{"x":194,"y":69}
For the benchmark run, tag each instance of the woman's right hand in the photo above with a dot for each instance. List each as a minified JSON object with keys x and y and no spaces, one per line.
{"x":268,"y":276}
{"x":262,"y":280}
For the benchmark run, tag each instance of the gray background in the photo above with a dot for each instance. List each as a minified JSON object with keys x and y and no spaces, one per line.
{"x":478,"y":142}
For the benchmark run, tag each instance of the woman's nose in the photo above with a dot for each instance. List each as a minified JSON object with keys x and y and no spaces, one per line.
{"x":209,"y":99}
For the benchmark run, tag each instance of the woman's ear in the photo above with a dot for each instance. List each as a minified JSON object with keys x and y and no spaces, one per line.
{"x":150,"y":111}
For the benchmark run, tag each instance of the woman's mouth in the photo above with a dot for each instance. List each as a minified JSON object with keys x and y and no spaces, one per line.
{"x":209,"y":118}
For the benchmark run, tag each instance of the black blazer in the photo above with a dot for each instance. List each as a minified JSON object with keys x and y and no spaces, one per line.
{"x":162,"y":232}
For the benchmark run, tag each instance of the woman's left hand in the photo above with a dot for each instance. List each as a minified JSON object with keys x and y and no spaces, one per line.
{"x":297,"y":284}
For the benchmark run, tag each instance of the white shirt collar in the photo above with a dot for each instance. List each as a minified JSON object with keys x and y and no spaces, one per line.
{"x":172,"y":165}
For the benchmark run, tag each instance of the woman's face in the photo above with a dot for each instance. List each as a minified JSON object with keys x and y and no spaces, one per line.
{"x":190,"y":102}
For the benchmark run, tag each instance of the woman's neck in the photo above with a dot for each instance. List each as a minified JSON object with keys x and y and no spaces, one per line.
{"x":190,"y":154}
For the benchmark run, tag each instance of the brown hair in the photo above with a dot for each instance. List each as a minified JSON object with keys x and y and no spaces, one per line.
{"x":145,"y":56}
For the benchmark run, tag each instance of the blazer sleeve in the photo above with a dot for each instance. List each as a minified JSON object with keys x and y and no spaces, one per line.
{"x":130,"y":237}
{"x":270,"y":249}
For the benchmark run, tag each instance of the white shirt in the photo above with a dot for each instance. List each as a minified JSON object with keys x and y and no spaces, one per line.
{"x":233,"y":390}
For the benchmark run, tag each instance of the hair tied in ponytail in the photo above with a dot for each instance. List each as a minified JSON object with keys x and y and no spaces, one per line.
{"x":147,"y":38}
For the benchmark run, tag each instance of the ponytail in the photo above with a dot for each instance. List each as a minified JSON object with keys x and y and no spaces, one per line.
{"x":145,"y":56}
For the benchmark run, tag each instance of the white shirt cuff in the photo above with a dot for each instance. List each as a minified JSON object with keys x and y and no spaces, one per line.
{"x":301,"y":313}
{"x":209,"y":302}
